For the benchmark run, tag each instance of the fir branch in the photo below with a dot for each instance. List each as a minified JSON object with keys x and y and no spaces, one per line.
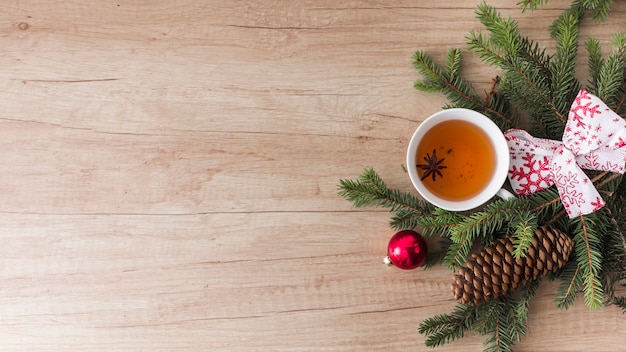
{"x":371,"y":190}
{"x":577,"y":9}
{"x":621,"y":190}
{"x":501,"y":323}
{"x":444,"y":328}
{"x":487,"y":314}
{"x":428,"y":86}
{"x":458,"y":91}
{"x":589,"y":257}
{"x":527,"y":72}
{"x":441,"y":222}
{"x":496,"y":102}
{"x":478,"y":224}
{"x":530,"y":4}
{"x":528,"y":87}
{"x":614,"y":264}
{"x":601,"y":8}
{"x":558,"y":216}
{"x":595,"y":63}
{"x":481,"y":224}
{"x":504,"y":32}
{"x":505,"y":319}
{"x":427,"y":68}
{"x":571,"y":282}
{"x":532,"y":53}
{"x":524,"y":227}
{"x":457,"y":252}
{"x":485,"y":48}
{"x":522,"y":307}
{"x":461,"y":93}
{"x":405,"y":219}
{"x":455,"y":89}
{"x":610,"y":76}
{"x":501,"y":340}
{"x":620,"y":108}
{"x":489,"y":220}
{"x":453,"y":63}
{"x":564,"y":85}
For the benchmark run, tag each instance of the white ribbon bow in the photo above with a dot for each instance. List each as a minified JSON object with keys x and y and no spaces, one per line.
{"x":594,"y":139}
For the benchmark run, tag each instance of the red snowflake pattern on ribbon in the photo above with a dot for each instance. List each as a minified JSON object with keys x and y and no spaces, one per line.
{"x":584,"y":107}
{"x":536,"y":173}
{"x":594,"y":139}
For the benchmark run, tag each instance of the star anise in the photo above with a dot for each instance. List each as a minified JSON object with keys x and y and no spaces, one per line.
{"x":432,"y":166}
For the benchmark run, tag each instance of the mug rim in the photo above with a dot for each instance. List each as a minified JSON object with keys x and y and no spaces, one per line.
{"x":497,"y":140}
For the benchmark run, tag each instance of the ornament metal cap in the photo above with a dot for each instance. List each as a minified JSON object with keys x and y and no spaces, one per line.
{"x":387,"y":261}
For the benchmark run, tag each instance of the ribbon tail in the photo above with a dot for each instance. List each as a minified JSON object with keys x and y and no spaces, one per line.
{"x":577,"y":192}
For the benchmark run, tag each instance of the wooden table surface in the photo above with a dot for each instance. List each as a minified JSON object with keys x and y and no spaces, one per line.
{"x":170,"y":169}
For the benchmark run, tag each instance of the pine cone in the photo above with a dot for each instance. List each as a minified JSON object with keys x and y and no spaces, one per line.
{"x":494,"y":271}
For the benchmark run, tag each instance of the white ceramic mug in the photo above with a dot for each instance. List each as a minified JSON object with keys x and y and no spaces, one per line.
{"x":500,"y":149}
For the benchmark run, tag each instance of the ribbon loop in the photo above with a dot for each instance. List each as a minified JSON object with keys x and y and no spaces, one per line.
{"x":594,"y":139}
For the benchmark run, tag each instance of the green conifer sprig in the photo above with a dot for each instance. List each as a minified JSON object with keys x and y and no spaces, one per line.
{"x":503,"y":321}
{"x":531,"y":5}
{"x":371,"y":190}
{"x":614,"y":266}
{"x":460,"y":92}
{"x":486,"y":222}
{"x":587,"y":234}
{"x":599,"y":8}
{"x":595,"y":62}
{"x":444,"y":328}
{"x":483,"y":225}
{"x":441,"y":222}
{"x":608,"y":75}
{"x":564,"y":85}
{"x":524,"y":226}
{"x":493,"y":320}
{"x":529,"y":73}
{"x":571,"y":283}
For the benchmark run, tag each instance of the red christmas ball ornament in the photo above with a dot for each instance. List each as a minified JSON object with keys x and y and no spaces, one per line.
{"x":406,"y":250}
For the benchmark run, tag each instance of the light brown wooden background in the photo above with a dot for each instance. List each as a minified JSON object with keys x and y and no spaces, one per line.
{"x":169,"y":173}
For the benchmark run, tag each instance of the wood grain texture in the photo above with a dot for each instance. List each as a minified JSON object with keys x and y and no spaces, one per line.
{"x":169,"y":174}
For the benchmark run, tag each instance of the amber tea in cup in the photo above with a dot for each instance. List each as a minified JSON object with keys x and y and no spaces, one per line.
{"x":458,"y":159}
{"x":455,"y":160}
